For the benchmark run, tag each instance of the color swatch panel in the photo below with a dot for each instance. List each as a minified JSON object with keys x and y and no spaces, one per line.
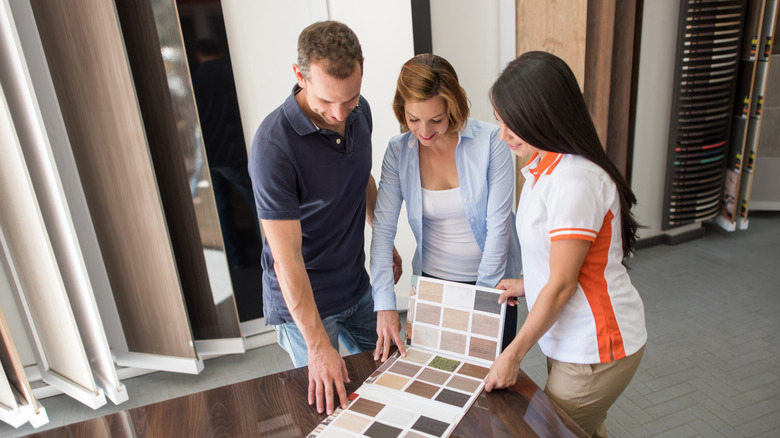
{"x":422,"y":395}
{"x":456,"y":319}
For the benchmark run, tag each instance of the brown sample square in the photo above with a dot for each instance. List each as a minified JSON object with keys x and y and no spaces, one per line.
{"x":430,"y":426}
{"x":392,"y":381}
{"x":485,"y":325}
{"x":454,"y":342}
{"x":405,"y":368}
{"x":456,"y":319}
{"x":482,"y":348}
{"x":453,"y":398}
{"x":381,"y":430}
{"x":422,"y":389}
{"x":428,"y":314}
{"x":430,"y":291}
{"x":366,"y":407}
{"x":433,"y":376}
{"x":475,"y":371}
{"x":464,"y":383}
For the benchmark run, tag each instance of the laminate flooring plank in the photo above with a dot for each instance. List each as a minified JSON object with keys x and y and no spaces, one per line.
{"x":146,"y":28}
{"x":33,"y":267}
{"x":88,"y":64}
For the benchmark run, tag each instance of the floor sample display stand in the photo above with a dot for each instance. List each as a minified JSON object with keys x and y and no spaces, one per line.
{"x":708,"y":50}
{"x":749,"y":102}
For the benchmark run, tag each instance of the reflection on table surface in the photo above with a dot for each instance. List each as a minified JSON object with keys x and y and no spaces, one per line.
{"x":276,"y":405}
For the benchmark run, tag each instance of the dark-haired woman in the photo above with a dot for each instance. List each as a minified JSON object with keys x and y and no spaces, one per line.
{"x":575,"y":229}
{"x":456,"y":177}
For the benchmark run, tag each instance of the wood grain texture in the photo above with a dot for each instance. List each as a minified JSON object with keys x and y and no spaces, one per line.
{"x":162,"y":117}
{"x":555,"y":26}
{"x":33,"y":267}
{"x":276,"y":406}
{"x":88,"y":64}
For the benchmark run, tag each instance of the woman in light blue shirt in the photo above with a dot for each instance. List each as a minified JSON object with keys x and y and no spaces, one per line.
{"x":457,"y":179}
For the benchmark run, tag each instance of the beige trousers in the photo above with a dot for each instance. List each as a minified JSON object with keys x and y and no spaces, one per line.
{"x":585,"y":392}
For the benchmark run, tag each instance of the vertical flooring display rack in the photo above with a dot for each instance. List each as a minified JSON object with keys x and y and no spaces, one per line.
{"x":746,"y":121}
{"x":709,"y":42}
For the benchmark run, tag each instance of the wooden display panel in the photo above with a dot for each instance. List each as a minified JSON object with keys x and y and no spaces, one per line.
{"x":87,"y":61}
{"x":48,"y":168}
{"x":34,"y":273}
{"x":147,"y":26}
{"x":17,"y":403}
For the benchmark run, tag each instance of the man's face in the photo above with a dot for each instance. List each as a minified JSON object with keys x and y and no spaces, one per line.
{"x":328,"y":100}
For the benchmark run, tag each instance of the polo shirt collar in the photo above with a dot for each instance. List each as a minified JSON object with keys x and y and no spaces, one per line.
{"x":295,"y":115}
{"x":545,"y":165}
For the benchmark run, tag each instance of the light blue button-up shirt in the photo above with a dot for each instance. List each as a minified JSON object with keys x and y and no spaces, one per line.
{"x":486,"y":179}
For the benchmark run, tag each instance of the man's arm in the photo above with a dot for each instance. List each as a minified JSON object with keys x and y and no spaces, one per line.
{"x":326,"y":367}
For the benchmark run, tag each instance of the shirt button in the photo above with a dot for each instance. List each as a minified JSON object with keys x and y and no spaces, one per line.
{"x":338,"y":141}
{"x":465,"y":199}
{"x":472,"y":220}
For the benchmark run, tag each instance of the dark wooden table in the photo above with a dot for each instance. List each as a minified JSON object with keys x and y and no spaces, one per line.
{"x":276,"y":406}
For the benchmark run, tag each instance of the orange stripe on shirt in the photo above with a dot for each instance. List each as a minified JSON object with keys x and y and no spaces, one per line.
{"x":572,"y":233}
{"x":594,"y":284}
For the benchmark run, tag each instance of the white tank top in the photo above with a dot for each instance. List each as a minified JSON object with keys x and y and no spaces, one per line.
{"x":449,"y":250}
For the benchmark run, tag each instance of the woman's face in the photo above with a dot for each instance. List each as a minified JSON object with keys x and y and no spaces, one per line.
{"x":427,"y":120}
{"x":517,"y":144}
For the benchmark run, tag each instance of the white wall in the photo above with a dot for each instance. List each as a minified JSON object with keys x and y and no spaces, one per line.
{"x":653,"y":107}
{"x":466,"y":33}
{"x":263,"y":36}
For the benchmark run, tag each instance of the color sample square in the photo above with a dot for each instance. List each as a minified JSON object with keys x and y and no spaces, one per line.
{"x":396,"y":416}
{"x":454,"y":398}
{"x":444,"y":363}
{"x":458,"y":296}
{"x":405,"y":368}
{"x":428,"y":314}
{"x":455,"y":319}
{"x":487,"y":302}
{"x":392,"y":381}
{"x":485,"y":325}
{"x":433,"y":376}
{"x":413,"y":434}
{"x":464,"y":383}
{"x":386,"y":365}
{"x":425,"y":336}
{"x":351,"y":422}
{"x":430,"y":291}
{"x":417,"y":356}
{"x":454,"y":342}
{"x":410,"y":312}
{"x":422,"y":389}
{"x":381,"y":430}
{"x":474,"y":371}
{"x":430,"y":426}
{"x":366,"y":407}
{"x":482,"y":348}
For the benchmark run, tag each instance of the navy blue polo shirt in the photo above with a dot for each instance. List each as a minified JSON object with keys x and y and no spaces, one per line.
{"x":301,"y":172}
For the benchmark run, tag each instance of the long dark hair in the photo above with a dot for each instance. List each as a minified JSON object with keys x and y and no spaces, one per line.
{"x":538,"y":98}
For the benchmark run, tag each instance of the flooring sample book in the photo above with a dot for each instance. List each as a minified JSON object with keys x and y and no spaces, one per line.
{"x":454,"y":331}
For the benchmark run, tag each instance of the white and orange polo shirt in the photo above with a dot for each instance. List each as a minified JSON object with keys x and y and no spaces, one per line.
{"x":567,"y":196}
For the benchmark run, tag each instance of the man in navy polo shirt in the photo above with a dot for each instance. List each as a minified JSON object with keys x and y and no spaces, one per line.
{"x":310,"y":166}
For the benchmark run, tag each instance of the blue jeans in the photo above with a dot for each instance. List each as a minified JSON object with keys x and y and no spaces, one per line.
{"x":354,"y":327}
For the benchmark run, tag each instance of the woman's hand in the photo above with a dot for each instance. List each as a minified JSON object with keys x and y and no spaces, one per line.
{"x":503,"y":372}
{"x":513,"y":288}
